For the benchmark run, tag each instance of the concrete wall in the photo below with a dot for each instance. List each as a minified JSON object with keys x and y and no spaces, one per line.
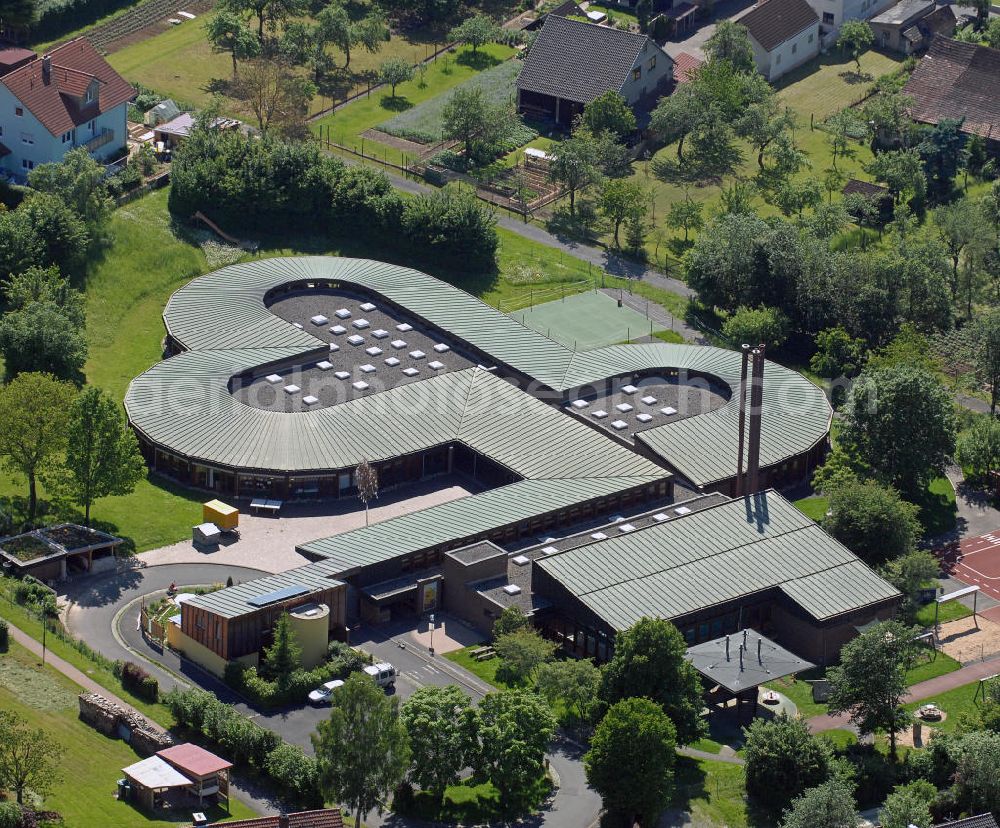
{"x":787,"y":55}
{"x":200,"y":654}
{"x":312,"y":632}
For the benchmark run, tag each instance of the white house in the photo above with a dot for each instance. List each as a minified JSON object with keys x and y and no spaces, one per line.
{"x":833,"y":13}
{"x":70,"y":97}
{"x":784,"y":34}
{"x":571,"y":63}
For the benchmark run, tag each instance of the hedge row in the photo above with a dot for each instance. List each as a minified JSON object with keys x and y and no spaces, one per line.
{"x":249,"y":184}
{"x":268,"y":691}
{"x":58,"y":17}
{"x":295,"y":774}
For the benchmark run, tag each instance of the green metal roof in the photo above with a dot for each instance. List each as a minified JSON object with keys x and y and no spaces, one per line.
{"x":222,"y":320}
{"x":716,"y":555}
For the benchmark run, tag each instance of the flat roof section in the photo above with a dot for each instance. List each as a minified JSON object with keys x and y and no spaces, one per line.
{"x":744,"y":660}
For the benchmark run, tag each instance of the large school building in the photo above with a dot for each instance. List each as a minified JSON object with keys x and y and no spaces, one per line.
{"x":285,"y":373}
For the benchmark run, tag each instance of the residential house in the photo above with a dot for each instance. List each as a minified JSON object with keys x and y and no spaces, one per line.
{"x":69,"y":97}
{"x":834,"y":13}
{"x":982,"y":821}
{"x":685,"y":67}
{"x":571,"y":63}
{"x":958,"y":80}
{"x":911,"y":25}
{"x":784,"y":34}
{"x":329,"y":818}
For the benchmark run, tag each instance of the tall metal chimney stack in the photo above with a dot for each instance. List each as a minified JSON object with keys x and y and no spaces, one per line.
{"x":745,"y":353}
{"x":756,"y":409}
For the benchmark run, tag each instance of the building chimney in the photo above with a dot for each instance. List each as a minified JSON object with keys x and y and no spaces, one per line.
{"x":283,"y":821}
{"x":46,"y":68}
{"x":756,"y":410}
{"x":743,"y":419}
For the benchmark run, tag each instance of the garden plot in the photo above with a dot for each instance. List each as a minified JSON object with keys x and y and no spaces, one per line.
{"x":423,"y":122}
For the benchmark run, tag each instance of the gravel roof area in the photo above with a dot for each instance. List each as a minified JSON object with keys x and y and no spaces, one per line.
{"x":323,"y":383}
{"x":680,"y":399}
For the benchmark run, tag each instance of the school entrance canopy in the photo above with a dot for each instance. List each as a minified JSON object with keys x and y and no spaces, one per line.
{"x":742,"y":662}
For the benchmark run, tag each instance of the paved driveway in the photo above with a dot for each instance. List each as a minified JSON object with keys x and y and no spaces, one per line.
{"x":103,"y":612}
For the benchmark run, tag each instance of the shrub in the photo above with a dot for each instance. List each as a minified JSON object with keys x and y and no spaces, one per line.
{"x":4,"y":642}
{"x":10,"y":815}
{"x":452,"y":225}
{"x":140,"y":683}
{"x":296,"y":773}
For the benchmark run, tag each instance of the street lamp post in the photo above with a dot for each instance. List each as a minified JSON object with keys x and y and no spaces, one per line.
{"x":431,"y":648}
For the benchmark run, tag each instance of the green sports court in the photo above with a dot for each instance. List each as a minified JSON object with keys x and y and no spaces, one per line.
{"x":585,"y":320}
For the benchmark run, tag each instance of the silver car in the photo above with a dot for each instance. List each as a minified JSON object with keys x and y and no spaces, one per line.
{"x":321,"y":695}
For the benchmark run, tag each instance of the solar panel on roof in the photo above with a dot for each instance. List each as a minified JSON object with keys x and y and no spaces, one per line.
{"x":278,"y":595}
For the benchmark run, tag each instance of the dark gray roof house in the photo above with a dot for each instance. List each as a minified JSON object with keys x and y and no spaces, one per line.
{"x":571,"y":63}
{"x":981,"y":821}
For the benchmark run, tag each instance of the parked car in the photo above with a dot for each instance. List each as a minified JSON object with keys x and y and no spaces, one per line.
{"x":383,"y":674}
{"x":321,"y":695}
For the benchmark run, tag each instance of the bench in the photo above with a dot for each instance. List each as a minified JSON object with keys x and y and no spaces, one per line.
{"x":259,"y":504}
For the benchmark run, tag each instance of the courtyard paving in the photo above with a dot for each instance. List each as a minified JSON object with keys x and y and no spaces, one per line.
{"x":268,"y":543}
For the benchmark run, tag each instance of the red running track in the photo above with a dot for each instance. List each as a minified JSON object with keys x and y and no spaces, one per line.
{"x":976,"y":561}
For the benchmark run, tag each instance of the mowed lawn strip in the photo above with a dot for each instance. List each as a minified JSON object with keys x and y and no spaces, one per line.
{"x":91,"y":763}
{"x":346,"y":125}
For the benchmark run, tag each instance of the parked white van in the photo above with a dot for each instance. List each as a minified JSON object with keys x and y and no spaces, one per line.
{"x":383,"y":674}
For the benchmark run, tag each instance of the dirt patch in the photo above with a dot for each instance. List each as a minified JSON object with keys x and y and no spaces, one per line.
{"x":401,"y":144}
{"x":159,"y":26}
{"x":970,"y":639}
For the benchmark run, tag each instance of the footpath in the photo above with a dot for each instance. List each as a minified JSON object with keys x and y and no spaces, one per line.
{"x":918,"y":692}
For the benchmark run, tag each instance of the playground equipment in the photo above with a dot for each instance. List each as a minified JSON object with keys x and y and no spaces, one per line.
{"x":244,"y":244}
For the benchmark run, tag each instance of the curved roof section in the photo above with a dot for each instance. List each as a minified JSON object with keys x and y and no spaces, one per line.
{"x":223,"y":322}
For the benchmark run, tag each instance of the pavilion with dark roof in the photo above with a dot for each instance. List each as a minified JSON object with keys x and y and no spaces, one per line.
{"x":571,"y":63}
{"x":54,"y":552}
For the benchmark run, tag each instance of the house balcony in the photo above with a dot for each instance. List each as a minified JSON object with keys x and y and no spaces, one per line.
{"x":105,"y":137}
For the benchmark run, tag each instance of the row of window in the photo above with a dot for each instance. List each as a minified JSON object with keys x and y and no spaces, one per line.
{"x":650,"y":65}
{"x":795,"y":48}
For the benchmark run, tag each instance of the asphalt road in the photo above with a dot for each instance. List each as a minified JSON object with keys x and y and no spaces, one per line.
{"x":102,"y":613}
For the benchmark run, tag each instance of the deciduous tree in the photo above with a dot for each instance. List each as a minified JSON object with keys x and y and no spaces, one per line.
{"x":756,"y":325}
{"x":228,"y":32}
{"x":521,"y":652}
{"x":102,"y":452}
{"x":362,"y":750}
{"x":29,"y":757}
{"x":366,"y":479}
{"x":838,"y":354}
{"x":33,"y":414}
{"x":575,"y":681}
{"x":40,"y":337}
{"x":685,"y":215}
{"x":576,"y":164}
{"x":730,"y":41}
{"x":874,"y":522}
{"x":830,"y":805}
{"x":631,"y":760}
{"x":395,"y":71}
{"x":909,"y":806}
{"x":977,"y":449}
{"x":609,"y":114}
{"x":475,"y":31}
{"x":900,"y":422}
{"x":619,"y":200}
{"x":782,"y":760}
{"x":855,"y":36}
{"x":649,"y":662}
{"x":515,"y":728}
{"x":440,"y":724}
{"x":870,"y":681}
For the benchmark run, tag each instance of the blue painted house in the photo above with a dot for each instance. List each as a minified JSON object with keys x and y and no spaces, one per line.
{"x":69,"y":97}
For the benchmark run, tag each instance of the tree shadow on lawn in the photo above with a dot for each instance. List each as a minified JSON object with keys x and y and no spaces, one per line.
{"x":398,"y":104}
{"x":477,"y":60}
{"x":219,"y":86}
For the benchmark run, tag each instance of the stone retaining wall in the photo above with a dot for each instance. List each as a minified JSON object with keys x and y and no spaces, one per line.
{"x":116,"y":722}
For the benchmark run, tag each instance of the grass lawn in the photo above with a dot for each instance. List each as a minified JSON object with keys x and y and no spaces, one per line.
{"x":840,"y":739}
{"x":814,"y":507}
{"x":950,"y":611}
{"x":829,"y":83}
{"x":710,"y":792}
{"x":800,"y":694}
{"x":91,"y":762}
{"x":931,"y":666}
{"x":346,"y":125}
{"x":180,"y":63}
{"x":485,"y":670}
{"x":938,"y":508}
{"x":954,"y":703}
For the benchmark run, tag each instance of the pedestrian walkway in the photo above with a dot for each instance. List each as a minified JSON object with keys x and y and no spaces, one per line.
{"x":71,"y":672}
{"x":918,"y":692}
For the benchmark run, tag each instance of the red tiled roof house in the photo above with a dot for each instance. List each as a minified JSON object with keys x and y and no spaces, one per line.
{"x":70,"y":97}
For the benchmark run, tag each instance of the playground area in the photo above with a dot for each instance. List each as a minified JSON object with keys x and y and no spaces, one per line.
{"x":586,"y":320}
